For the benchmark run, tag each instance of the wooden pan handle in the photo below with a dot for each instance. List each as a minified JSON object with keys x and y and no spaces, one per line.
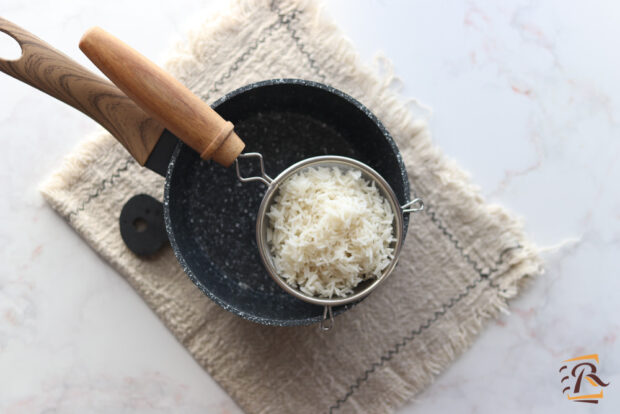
{"x":54,"y":73}
{"x":163,"y":97}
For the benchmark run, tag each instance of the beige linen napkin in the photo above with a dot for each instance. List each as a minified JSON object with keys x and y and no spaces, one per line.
{"x":461,"y":261}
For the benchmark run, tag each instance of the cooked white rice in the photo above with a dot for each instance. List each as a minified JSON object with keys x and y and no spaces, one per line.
{"x":329,"y":230}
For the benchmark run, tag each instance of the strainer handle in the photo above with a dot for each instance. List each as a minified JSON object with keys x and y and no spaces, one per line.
{"x":163,"y":97}
{"x":264,"y":178}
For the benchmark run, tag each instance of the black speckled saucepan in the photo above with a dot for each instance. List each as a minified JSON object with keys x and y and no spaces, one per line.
{"x":209,"y":214}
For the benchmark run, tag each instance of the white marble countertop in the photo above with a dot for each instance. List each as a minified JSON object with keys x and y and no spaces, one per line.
{"x":525,"y":96}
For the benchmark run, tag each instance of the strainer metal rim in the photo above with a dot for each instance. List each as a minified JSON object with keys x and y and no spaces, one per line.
{"x":261,"y":222}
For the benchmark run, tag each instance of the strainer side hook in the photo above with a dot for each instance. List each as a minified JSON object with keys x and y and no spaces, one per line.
{"x":414,"y":206}
{"x":327,"y":322}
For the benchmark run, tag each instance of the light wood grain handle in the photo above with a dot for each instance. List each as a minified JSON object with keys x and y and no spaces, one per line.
{"x":54,"y":73}
{"x":163,"y":97}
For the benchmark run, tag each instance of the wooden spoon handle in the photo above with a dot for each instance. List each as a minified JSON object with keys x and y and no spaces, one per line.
{"x":163,"y":97}
{"x":54,"y":73}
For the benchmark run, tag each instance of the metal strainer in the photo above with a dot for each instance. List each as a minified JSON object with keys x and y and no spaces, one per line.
{"x":201,"y":128}
{"x":344,"y":163}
